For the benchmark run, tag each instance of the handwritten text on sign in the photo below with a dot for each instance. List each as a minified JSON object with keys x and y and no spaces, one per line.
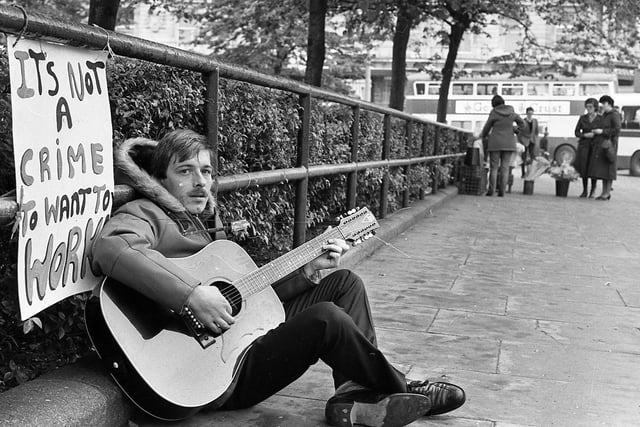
{"x":62,"y":141}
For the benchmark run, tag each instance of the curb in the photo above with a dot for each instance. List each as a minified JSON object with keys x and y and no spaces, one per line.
{"x":82,"y":394}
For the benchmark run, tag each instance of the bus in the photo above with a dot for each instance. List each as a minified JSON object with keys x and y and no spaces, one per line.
{"x":629,"y":138}
{"x":557,"y":103}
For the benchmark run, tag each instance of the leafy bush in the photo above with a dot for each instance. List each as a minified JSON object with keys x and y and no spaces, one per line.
{"x":258,"y":130}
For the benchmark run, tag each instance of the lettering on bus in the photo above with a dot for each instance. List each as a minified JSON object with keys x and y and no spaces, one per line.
{"x":520,"y":106}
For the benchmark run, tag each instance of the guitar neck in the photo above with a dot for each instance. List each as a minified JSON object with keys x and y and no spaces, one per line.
{"x":269,"y":273}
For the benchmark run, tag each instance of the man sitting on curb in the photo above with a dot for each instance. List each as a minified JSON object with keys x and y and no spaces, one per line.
{"x":327,"y":319}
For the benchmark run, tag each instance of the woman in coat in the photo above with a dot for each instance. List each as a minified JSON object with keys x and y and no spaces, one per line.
{"x":584,"y":131}
{"x":604,"y":155}
{"x":501,"y":142}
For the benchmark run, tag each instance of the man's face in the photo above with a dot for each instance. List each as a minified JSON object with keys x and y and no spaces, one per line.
{"x":190,"y":181}
{"x":606,"y":107}
{"x":529,"y":114}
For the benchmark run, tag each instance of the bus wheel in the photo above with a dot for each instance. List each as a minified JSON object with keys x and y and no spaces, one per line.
{"x":564,"y":152}
{"x":634,"y":164}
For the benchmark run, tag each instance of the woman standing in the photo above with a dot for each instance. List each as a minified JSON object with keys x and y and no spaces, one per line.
{"x":605,"y":149}
{"x":501,"y":142}
{"x":584,"y":131}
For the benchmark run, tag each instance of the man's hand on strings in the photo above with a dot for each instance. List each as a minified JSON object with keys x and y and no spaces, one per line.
{"x":211,"y":308}
{"x":334,"y":248}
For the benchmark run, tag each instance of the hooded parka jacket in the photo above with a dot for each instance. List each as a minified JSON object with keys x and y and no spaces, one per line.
{"x":136,"y":244}
{"x":499,"y":128}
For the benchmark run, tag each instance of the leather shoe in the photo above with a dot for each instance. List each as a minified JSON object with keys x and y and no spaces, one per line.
{"x":444,"y":397}
{"x":373,"y":409}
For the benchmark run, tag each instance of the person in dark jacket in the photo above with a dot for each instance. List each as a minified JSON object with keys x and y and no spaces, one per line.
{"x":584,"y":131}
{"x":325,"y":318}
{"x":501,"y":142}
{"x":529,"y":138}
{"x":605,"y":151}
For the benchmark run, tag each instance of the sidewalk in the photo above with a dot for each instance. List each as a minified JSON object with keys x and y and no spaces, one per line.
{"x":531,"y":303}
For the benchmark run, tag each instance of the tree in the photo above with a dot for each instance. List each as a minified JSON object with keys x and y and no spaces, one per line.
{"x":593,"y":32}
{"x":104,"y":13}
{"x":316,"y":42}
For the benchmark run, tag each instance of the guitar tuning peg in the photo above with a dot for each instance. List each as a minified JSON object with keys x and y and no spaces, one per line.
{"x":351,"y":211}
{"x":339,"y":218}
{"x":357,"y":242}
{"x":367,"y":236}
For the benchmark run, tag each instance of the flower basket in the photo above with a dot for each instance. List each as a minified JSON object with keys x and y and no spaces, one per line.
{"x":562,"y":187}
{"x":528,"y":187}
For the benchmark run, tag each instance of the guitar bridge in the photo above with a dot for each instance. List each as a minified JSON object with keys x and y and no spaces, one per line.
{"x":197,"y":329}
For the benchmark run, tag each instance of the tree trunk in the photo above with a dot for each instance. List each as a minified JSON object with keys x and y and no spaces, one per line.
{"x":455,"y":37}
{"x":399,"y":60}
{"x":315,"y":42}
{"x":104,"y":13}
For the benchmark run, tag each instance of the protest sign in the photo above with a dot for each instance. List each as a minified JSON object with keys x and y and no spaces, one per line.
{"x":62,"y":140}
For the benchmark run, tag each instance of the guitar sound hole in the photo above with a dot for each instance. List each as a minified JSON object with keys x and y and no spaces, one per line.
{"x":232,"y":295}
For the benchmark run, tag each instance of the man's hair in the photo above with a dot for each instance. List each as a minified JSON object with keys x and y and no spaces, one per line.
{"x":529,"y":109}
{"x":606,"y":99}
{"x":591,"y":101}
{"x":179,"y":144}
{"x":496,"y":101}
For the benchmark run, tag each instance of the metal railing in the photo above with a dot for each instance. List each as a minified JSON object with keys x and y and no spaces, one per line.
{"x":13,"y":21}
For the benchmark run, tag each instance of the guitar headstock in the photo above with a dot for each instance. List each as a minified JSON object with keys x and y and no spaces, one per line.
{"x":358,"y":225}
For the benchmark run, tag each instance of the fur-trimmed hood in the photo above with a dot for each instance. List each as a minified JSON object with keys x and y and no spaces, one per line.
{"x":132,"y":160}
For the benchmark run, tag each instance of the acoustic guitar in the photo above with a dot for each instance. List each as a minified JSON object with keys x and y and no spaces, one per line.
{"x":171,"y":370}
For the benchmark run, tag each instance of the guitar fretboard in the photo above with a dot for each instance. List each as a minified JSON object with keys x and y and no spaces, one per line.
{"x":269,"y":273}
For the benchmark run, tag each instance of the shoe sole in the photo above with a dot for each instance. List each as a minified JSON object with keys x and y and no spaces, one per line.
{"x":396,"y":410}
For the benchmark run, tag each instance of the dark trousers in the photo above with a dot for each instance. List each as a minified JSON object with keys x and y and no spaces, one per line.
{"x":331,"y":322}
{"x":528,"y":155}
{"x":499,"y":162}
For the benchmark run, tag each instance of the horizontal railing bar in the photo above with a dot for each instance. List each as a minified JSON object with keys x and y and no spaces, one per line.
{"x":12,"y":21}
{"x":125,"y":193}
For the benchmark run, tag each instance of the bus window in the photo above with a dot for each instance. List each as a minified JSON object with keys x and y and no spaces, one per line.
{"x":631,"y":117}
{"x":563,"y":89}
{"x":538,"y":89}
{"x":593,"y":89}
{"x":464,"y":124}
{"x":487,"y":89}
{"x":420,"y":88}
{"x":433,"y":89}
{"x":462,"y":89}
{"x":513,"y":89}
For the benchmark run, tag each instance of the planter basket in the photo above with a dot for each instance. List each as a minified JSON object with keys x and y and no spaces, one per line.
{"x":473,"y":180}
{"x":528,"y":187}
{"x":562,"y":187}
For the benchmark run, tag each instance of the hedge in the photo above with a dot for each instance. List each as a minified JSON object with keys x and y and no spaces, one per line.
{"x":258,"y":130}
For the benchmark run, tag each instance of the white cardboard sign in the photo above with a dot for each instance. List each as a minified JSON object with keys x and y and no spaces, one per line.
{"x":62,"y":140}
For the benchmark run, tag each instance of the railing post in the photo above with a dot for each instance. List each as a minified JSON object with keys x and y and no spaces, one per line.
{"x":407,"y":168}
{"x":300,"y":212}
{"x":434,"y":167}
{"x":423,"y":152}
{"x":386,"y":149}
{"x":211,"y":112}
{"x":352,"y":177}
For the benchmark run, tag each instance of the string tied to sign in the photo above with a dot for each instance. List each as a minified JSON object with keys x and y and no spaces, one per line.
{"x":24,"y":26}
{"x":107,"y":46}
